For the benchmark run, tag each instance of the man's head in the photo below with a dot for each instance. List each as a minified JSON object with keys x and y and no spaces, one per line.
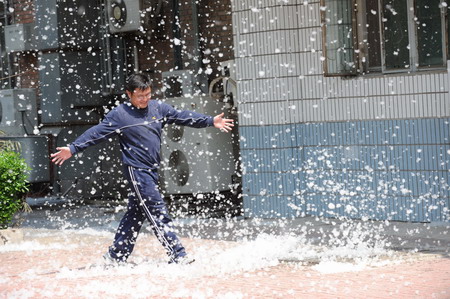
{"x":138,"y":88}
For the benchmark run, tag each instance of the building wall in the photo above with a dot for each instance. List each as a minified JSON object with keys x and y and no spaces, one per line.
{"x":156,"y":54}
{"x":366,"y":147}
{"x":216,"y":33}
{"x":26,"y":64}
{"x":23,"y":11}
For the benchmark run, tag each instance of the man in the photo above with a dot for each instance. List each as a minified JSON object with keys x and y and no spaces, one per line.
{"x":138,"y":124}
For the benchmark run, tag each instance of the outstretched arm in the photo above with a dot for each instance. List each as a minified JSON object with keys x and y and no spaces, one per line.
{"x":224,"y":124}
{"x":94,"y":135}
{"x":195,"y":119}
{"x":62,"y":155}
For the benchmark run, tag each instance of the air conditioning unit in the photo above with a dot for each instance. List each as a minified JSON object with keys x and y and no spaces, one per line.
{"x":34,"y":149}
{"x":71,"y":24}
{"x":184,"y":83}
{"x":124,"y":15}
{"x":19,"y":37}
{"x":70,"y":84}
{"x":196,"y":160}
{"x":18,"y":111}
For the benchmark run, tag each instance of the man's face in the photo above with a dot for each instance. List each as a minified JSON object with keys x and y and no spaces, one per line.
{"x":139,"y":98}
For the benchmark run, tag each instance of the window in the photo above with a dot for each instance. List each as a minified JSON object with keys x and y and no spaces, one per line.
{"x":430,"y":33}
{"x":372,"y":36}
{"x":338,"y":39}
{"x":393,"y":35}
{"x":394,"y":27}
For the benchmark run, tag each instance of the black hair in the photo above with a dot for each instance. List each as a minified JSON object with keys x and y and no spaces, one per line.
{"x":140,"y":81}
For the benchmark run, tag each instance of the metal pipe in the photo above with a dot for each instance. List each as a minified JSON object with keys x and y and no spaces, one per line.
{"x":177,"y":35}
{"x":195,"y":25}
{"x":136,"y":57}
{"x":105,"y":46}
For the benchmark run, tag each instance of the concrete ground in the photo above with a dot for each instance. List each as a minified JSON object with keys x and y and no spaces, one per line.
{"x":56,"y":253}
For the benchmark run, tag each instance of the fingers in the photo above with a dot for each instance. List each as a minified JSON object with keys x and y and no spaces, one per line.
{"x":58,"y":157}
{"x":227,"y":126}
{"x":58,"y":160}
{"x":223,"y":124}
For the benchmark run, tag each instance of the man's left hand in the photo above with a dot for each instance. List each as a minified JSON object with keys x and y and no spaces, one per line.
{"x":223,"y":124}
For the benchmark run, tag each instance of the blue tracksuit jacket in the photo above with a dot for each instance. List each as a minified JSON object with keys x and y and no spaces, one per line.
{"x":139,"y":131}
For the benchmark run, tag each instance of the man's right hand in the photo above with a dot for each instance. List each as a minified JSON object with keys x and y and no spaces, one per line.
{"x":62,"y":155}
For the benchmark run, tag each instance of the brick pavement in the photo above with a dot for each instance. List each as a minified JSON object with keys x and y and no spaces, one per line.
{"x":55,"y":264}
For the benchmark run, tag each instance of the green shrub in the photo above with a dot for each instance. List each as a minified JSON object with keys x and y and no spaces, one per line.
{"x":13,"y":185}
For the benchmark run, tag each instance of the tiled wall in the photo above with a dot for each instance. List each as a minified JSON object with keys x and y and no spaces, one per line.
{"x":397,"y":169}
{"x":374,"y":147}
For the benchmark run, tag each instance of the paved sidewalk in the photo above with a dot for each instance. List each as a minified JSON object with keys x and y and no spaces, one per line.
{"x":302,"y":258}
